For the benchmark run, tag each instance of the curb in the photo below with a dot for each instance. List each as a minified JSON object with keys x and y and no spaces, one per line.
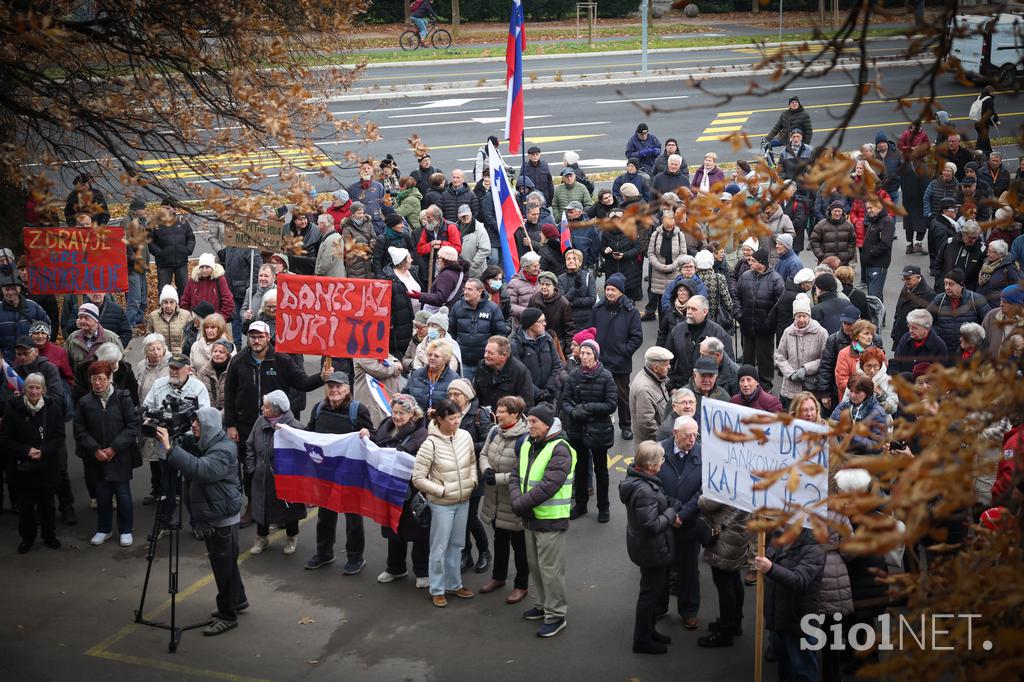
{"x":620,"y":78}
{"x":578,"y":55}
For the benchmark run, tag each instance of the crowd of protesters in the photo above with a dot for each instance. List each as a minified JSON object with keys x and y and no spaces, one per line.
{"x":508,"y":387}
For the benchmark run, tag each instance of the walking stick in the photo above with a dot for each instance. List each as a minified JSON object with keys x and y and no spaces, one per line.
{"x":430,"y":269}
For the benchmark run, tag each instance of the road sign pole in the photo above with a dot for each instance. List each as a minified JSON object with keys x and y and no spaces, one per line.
{"x":643,"y":37}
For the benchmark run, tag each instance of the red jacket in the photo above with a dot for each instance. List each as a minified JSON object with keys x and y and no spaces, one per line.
{"x":59,"y":357}
{"x":762,"y":400}
{"x":215,"y":290}
{"x":858,"y":212}
{"x":454,"y":239}
{"x":908,"y":140}
{"x":339,"y":213}
{"x":1013,"y":446}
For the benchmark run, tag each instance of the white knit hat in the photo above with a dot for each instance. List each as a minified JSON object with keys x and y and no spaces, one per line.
{"x":801,"y":304}
{"x":398,"y":254}
{"x":704,"y":260}
{"x":752,"y":244}
{"x":571,"y":158}
{"x":206,"y":259}
{"x":168,"y":293}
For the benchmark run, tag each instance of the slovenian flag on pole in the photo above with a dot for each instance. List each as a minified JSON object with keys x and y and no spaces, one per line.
{"x":565,"y":236}
{"x":381,"y":394}
{"x":14,"y":382}
{"x":506,"y":210}
{"x":514,"y":107}
{"x":345,"y":473}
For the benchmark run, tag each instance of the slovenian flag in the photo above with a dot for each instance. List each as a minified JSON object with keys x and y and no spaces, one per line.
{"x":506,"y":210}
{"x":514,"y":107}
{"x":14,"y":382}
{"x":345,"y":473}
{"x":381,"y":394}
{"x":565,"y":236}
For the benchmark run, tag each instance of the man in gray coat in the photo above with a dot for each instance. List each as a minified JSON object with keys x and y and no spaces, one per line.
{"x":209,"y":460}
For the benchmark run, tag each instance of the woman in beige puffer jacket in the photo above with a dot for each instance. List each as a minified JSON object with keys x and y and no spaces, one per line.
{"x":445,"y":471}
{"x":498,"y":458}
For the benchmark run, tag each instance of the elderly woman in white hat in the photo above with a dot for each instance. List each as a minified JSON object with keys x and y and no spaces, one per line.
{"x":208,"y":283}
{"x":266,"y":508}
{"x":447,"y":286}
{"x":437,"y":329}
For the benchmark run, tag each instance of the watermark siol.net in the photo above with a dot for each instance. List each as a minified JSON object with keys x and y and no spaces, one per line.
{"x":931,"y":632}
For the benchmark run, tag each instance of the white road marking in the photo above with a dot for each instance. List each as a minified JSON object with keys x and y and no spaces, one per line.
{"x":445,"y":113}
{"x":822,"y":87}
{"x":501,"y":119}
{"x":429,"y":105}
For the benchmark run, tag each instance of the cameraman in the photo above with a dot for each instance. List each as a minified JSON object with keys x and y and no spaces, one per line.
{"x":209,"y":459}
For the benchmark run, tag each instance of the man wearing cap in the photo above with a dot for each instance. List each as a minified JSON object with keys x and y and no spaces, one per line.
{"x":915,"y":295}
{"x":17,"y":313}
{"x":955,"y":306}
{"x":27,"y":360}
{"x":892,"y":164}
{"x":448,"y":283}
{"x":830,"y":306}
{"x":644,"y":147}
{"x":794,"y":116}
{"x":569,"y":190}
{"x":83,"y":343}
{"x":965,"y":252}
{"x":835,"y":235}
{"x":424,"y":169}
{"x":620,"y":335}
{"x":112,"y":316}
{"x":208,"y":283}
{"x":1005,"y":321}
{"x":255,"y":371}
{"x":540,"y":491}
{"x":796,"y":157}
{"x":757,"y":291}
{"x":170,"y":320}
{"x":942,"y":227}
{"x":539,"y":173}
{"x":685,"y":339}
{"x":338,"y":413}
{"x":500,"y":374}
{"x":648,"y":397}
{"x":876,"y":253}
{"x":799,"y":352}
{"x":704,"y":382}
{"x":40,"y":333}
{"x":171,"y":242}
{"x":789,"y":263}
{"x":826,"y":378}
{"x":476,"y":244}
{"x":672,"y":178}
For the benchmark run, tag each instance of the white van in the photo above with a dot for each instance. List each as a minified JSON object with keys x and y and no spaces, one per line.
{"x":989,"y":47}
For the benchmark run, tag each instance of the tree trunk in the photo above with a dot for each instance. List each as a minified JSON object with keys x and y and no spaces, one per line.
{"x":755,"y":6}
{"x":405,"y":11}
{"x":12,"y":196}
{"x":455,"y":18}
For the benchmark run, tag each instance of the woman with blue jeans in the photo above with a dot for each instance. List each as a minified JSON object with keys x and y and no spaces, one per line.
{"x":446,"y":473}
{"x":419,"y":13}
{"x":106,"y":430}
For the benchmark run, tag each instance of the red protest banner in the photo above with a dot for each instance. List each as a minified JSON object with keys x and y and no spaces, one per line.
{"x":335,"y":317}
{"x":71,"y":260}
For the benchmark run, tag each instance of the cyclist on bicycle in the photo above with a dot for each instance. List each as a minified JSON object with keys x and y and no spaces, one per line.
{"x":420,"y":10}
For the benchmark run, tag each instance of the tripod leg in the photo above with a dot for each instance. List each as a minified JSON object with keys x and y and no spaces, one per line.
{"x":150,"y":555}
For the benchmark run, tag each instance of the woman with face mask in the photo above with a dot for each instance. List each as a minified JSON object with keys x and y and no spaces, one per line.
{"x":494,"y":286}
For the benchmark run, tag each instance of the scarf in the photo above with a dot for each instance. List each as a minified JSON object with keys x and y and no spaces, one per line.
{"x":705,"y":180}
{"x":391,"y":235}
{"x":666,"y":246}
{"x":105,"y":395}
{"x":532,"y":279}
{"x":593,"y":371}
{"x":219,"y":367}
{"x":987,"y":268}
{"x":365,"y":184}
{"x":512,"y":425}
{"x":34,"y":408}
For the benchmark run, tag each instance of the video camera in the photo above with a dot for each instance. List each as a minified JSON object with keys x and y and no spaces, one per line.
{"x":175,"y":414}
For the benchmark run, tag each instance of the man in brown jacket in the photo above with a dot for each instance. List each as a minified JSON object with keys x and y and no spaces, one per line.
{"x":648,"y":399}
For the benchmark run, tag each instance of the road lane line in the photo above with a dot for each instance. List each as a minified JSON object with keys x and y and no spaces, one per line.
{"x":822,"y":87}
{"x":723,"y":129}
{"x":444,"y":113}
{"x":483,"y":121}
{"x":846,"y":104}
{"x":729,"y":121}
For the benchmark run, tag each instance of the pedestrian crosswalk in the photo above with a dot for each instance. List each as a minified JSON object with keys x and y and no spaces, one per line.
{"x":725,"y":123}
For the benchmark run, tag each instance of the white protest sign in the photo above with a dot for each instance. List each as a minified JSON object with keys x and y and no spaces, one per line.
{"x":727,"y":467}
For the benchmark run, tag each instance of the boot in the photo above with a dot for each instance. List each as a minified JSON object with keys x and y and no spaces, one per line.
{"x":467,"y":560}
{"x":649,"y":647}
{"x":68,"y":516}
{"x":246,"y":519}
{"x":715,"y":640}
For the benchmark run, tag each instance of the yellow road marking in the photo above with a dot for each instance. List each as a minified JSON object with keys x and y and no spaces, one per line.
{"x":841,"y":104}
{"x":727,"y":121}
{"x":612,"y":459}
{"x":723,"y":129}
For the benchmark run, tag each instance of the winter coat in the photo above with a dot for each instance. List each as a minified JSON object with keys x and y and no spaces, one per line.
{"x":214,"y":491}
{"x":828,"y":309}
{"x":476,"y":246}
{"x":146,"y":374}
{"x":215,"y":290}
{"x":540,"y":174}
{"x":445,"y":469}
{"x":859,"y":212}
{"x":885,"y":394}
{"x":447,"y":233}
{"x":551,"y":257}
{"x":959,"y":256}
{"x":640,"y":180}
{"x":587,"y":405}
{"x":629,"y":265}
{"x":238,"y":263}
{"x":564,"y":194}
{"x":501,"y":454}
{"x":870,"y":413}
{"x":790,"y":119}
{"x":264,"y":504}
{"x":824,"y":198}
{"x":112,"y":426}
{"x":171,"y":245}
{"x":112,"y":318}
{"x":372,"y":197}
{"x":559,"y":468}
{"x":664,"y":272}
{"x":681,"y":478}
{"x":729,"y":553}
{"x":684,"y":342}
{"x":937,"y":190}
{"x":665,"y":182}
{"x":913,"y":182}
{"x":917,"y":299}
{"x":779,"y":223}
{"x":487,"y":215}
{"x":789,"y":264}
{"x":15,"y":322}
{"x":541,"y":359}
{"x":970,"y":308}
{"x":401,"y":313}
{"x":248,"y":381}
{"x":757,"y":293}
{"x":471,"y":327}
{"x":358,"y":240}
{"x":58,"y":357}
{"x":173,"y":329}
{"x":619,"y":334}
{"x":425,"y":393}
{"x":759,"y":400}
{"x":646,"y":152}
{"x":387,"y":372}
{"x":835,"y":594}
{"x":781,"y":314}
{"x":453,"y":197}
{"x":520,"y":291}
{"x":834,"y":239}
{"x":800,"y":348}
{"x":650,"y":516}
{"x":941,"y":231}
{"x":422,"y":178}
{"x":717,"y":175}
{"x":847,"y":364}
{"x":330,"y":257}
{"x":793,"y":584}
{"x":22,"y":430}
{"x":1004,"y":275}
{"x":214,"y":382}
{"x":879,"y":234}
{"x":512,"y":379}
{"x":648,"y":402}
{"x":580,"y":289}
{"x":79,"y":354}
{"x":447,"y":287}
{"x":908,"y":353}
{"x":892,"y":164}
{"x":408,"y":204}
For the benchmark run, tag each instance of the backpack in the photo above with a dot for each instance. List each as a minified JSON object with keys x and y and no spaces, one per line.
{"x":876,"y":311}
{"x":975,"y":112}
{"x":416,"y":4}
{"x":353,"y":410}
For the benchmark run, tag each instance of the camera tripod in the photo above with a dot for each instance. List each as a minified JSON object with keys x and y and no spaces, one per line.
{"x":166,"y":520}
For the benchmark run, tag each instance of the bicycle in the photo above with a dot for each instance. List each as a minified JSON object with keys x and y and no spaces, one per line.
{"x":439,"y":38}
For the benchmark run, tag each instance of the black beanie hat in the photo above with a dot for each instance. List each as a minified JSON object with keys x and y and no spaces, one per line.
{"x":529,"y":317}
{"x":544,"y":413}
{"x":761,"y":256}
{"x":747,"y":371}
{"x":825,"y":282}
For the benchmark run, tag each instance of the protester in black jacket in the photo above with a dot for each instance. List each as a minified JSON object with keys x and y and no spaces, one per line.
{"x":681,"y":477}
{"x":830,"y":307}
{"x":876,"y":254}
{"x":915,"y":295}
{"x":422,"y":174}
{"x":684,"y":341}
{"x":758,"y":290}
{"x":964,"y":251}
{"x":112,"y":316}
{"x":538,"y":171}
{"x":473,"y":320}
{"x":588,"y":401}
{"x":579,"y":286}
{"x":171,"y":242}
{"x":500,"y":375}
{"x":650,"y":518}
{"x":533,"y":346}
{"x":619,"y":336}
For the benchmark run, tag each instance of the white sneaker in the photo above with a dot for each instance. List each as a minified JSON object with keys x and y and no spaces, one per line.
{"x":99,"y":539}
{"x":387,"y":577}
{"x":126,"y":539}
{"x":92,"y":503}
{"x":261,"y":544}
{"x":422,"y":583}
{"x":289,"y":546}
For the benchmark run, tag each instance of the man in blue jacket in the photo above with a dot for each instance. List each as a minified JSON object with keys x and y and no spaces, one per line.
{"x":644,"y":147}
{"x":619,"y":335}
{"x":680,"y":475}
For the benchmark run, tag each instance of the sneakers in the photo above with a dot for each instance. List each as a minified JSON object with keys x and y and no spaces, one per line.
{"x":126,"y":540}
{"x":238,"y":609}
{"x":261,"y":544}
{"x":161,"y":534}
{"x":317,"y":561}
{"x":627,"y":434}
{"x":99,"y":539}
{"x":387,"y":577}
{"x":553,"y":628}
{"x":422,"y":583}
{"x":354,"y":566}
{"x":92,"y":503}
{"x":533,"y":614}
{"x":290,"y":546}
{"x":219,"y":627}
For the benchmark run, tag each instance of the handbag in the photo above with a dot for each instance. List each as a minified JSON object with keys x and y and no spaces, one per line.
{"x":706,"y":533}
{"x":420,"y":510}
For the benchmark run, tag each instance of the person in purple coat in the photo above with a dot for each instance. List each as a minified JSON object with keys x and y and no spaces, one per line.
{"x":752,"y":395}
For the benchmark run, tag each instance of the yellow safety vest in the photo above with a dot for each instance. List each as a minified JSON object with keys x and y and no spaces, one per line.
{"x":532,"y":473}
